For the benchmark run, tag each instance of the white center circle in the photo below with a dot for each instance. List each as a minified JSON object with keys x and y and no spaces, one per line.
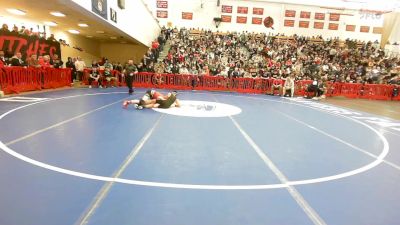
{"x":201,"y":109}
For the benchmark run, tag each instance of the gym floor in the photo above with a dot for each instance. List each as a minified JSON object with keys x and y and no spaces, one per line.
{"x":75,"y":156}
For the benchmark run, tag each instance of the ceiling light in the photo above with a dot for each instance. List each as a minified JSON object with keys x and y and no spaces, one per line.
{"x":123,"y":42}
{"x":58,"y":14}
{"x":113,"y":38}
{"x":73,"y":31}
{"x":89,"y":36}
{"x":83,"y":25}
{"x":100,"y":32}
{"x":16,"y":12}
{"x":49,"y":23}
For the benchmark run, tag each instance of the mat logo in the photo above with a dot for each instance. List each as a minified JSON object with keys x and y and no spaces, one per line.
{"x":202,"y":109}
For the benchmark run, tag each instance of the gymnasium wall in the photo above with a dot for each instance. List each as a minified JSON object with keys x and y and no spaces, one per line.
{"x":89,"y":48}
{"x":93,"y":49}
{"x":205,"y":10}
{"x":135,"y":20}
{"x":123,"y":52}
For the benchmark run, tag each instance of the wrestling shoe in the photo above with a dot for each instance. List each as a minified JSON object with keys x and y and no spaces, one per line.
{"x":125,"y":104}
{"x":140,"y":107}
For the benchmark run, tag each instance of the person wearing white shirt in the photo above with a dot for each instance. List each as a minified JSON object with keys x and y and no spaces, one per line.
{"x":183,"y":70}
{"x":289,"y":85}
{"x":79,"y":65}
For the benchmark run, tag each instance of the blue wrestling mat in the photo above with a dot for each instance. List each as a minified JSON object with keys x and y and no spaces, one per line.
{"x":76,"y":157}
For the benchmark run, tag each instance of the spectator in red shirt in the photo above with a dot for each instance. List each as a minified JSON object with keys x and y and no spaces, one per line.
{"x":45,"y":62}
{"x":155,"y":45}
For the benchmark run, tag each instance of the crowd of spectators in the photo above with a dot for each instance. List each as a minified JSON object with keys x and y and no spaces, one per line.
{"x":245,"y":54}
{"x":147,"y":63}
{"x":23,"y":31}
{"x":35,"y":61}
{"x":232,"y":54}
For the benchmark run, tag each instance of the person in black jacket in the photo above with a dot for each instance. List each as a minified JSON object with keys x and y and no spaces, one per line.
{"x":129,"y":72}
{"x":16,"y":60}
{"x":70,"y":64}
{"x":56,"y":61}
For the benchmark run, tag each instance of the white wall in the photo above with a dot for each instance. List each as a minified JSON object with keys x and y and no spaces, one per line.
{"x":135,"y":20}
{"x":203,"y":18}
{"x":395,"y":33}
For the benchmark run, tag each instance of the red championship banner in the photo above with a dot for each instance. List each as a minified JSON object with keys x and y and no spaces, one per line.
{"x":258,"y":11}
{"x":242,"y":10}
{"x":304,"y":24}
{"x":226,"y":19}
{"x":333,"y":26}
{"x":162,"y":4}
{"x":162,"y":14}
{"x":334,"y":17}
{"x":318,"y":25}
{"x":290,"y":13}
{"x":241,"y":19}
{"x":364,"y":29}
{"x":351,"y":28}
{"x":256,"y":20}
{"x":226,"y":9}
{"x":289,"y":23}
{"x":305,"y":15}
{"x":187,"y":16}
{"x":319,"y":16}
{"x":377,"y":30}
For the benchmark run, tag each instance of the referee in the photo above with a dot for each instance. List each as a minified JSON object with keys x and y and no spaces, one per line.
{"x":129,"y":71}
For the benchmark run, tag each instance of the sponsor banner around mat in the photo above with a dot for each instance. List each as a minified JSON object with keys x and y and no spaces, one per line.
{"x":201,"y":109}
